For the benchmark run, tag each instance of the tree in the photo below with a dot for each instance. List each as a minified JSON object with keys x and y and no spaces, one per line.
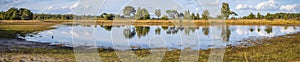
{"x":12,"y":14}
{"x":128,"y":10}
{"x":197,"y":16}
{"x":26,"y":14}
{"x":251,"y":16}
{"x":259,"y":16}
{"x":157,"y":13}
{"x":205,"y":15}
{"x":187,"y":15}
{"x":146,"y":14}
{"x":142,"y":14}
{"x":181,"y":15}
{"x":226,"y":12}
{"x":165,"y":17}
{"x":109,"y":17}
{"x":117,"y":17}
{"x":269,"y":16}
{"x":172,"y":13}
{"x":286,"y":16}
{"x":2,"y":15}
{"x":193,"y":16}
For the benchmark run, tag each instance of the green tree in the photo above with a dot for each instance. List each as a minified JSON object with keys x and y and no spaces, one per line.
{"x":26,"y":14}
{"x":269,"y":16}
{"x":226,"y":12}
{"x":286,"y":16}
{"x":193,"y":16}
{"x":117,"y":17}
{"x":12,"y":14}
{"x":187,"y":15}
{"x":259,"y":16}
{"x":128,"y":11}
{"x":165,"y":17}
{"x":142,"y":14}
{"x":251,"y":16}
{"x":2,"y":14}
{"x":108,"y":17}
{"x":197,"y":16}
{"x":172,"y":13}
{"x":205,"y":15}
{"x":157,"y":13}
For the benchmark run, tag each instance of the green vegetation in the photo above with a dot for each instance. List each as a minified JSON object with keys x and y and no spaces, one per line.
{"x":269,"y":16}
{"x":158,"y":13}
{"x":259,"y":16}
{"x":16,"y":14}
{"x":11,"y":30}
{"x":226,"y":12}
{"x":142,"y":14}
{"x":205,"y":14}
{"x":129,"y":12}
{"x":250,"y":16}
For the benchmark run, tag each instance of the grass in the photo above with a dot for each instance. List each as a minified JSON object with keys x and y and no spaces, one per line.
{"x":10,"y":29}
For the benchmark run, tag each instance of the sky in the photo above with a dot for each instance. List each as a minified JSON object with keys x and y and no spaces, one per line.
{"x":96,"y":7}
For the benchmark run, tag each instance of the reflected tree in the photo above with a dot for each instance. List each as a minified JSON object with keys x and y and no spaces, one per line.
{"x":251,"y":29}
{"x":269,"y":29}
{"x":205,"y":30}
{"x":165,"y":27}
{"x":157,"y":31}
{"x":286,"y":27}
{"x":142,"y":30}
{"x":226,"y":33}
{"x":129,"y":33}
{"x":173,"y":30}
{"x":188,"y":30}
{"x":258,"y":29}
{"x":108,"y":28}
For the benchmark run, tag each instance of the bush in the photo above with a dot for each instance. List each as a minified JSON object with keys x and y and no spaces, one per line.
{"x":164,"y":17}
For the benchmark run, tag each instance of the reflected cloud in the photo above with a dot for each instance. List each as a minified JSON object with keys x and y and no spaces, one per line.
{"x":125,"y":37}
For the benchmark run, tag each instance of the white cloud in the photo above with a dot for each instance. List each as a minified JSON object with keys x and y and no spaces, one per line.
{"x":270,"y":5}
{"x":294,"y":7}
{"x":74,"y":5}
{"x":244,"y":7}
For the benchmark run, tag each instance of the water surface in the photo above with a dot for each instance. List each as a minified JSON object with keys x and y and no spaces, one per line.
{"x":171,"y":37}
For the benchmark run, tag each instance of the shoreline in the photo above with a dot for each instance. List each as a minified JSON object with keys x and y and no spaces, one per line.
{"x":232,"y":53}
{"x":279,"y":46}
{"x":163,"y":22}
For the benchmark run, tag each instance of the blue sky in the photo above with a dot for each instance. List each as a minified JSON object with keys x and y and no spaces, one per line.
{"x":95,"y":7}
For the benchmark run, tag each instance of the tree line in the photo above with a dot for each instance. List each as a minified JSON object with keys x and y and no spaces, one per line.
{"x":269,"y":16}
{"x":25,"y":14}
{"x":130,"y":12}
{"x":16,"y":14}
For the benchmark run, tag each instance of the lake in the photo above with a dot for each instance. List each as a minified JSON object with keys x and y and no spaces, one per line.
{"x":149,"y":37}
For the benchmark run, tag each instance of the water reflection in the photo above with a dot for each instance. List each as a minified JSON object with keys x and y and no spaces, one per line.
{"x":139,"y":36}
